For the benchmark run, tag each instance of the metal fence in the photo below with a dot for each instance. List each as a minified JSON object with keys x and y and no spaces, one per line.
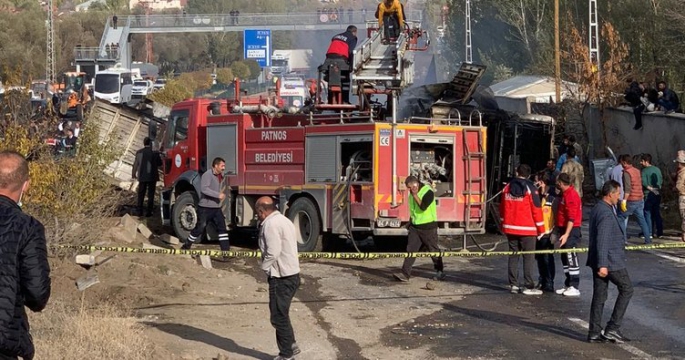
{"x":265,"y":20}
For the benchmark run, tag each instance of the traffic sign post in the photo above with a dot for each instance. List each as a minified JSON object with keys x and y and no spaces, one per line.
{"x":257,"y":46}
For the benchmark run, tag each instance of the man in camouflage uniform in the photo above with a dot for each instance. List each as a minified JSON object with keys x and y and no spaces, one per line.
{"x":575,"y":170}
{"x":680,"y":186}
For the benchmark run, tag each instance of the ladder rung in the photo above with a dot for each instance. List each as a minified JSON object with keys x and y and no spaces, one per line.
{"x":476,"y":179}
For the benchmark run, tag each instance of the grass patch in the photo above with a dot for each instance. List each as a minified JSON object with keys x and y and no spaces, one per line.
{"x":103,"y":333}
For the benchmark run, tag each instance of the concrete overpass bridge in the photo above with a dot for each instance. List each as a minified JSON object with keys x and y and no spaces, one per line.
{"x":97,"y":58}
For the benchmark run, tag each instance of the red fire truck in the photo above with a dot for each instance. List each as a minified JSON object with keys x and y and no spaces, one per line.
{"x":337,"y":172}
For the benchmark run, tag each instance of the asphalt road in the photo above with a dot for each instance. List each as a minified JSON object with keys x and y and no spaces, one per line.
{"x":491,"y":323}
{"x":368,"y":315}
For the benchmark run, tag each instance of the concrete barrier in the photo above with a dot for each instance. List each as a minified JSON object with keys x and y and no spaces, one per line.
{"x":661,"y":135}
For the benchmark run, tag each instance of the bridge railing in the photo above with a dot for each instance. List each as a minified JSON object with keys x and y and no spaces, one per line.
{"x":265,"y":20}
{"x":93,"y":53}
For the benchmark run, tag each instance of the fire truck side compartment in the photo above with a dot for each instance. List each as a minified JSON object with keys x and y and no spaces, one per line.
{"x":222,"y":141}
{"x":320,"y":152}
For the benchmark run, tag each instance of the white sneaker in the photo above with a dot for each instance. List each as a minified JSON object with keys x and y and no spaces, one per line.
{"x":532,"y":292}
{"x":561,"y":291}
{"x":571,"y":291}
{"x":514,"y":289}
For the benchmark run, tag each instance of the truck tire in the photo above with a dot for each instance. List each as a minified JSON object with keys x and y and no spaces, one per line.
{"x":304,"y":215}
{"x":184,"y":215}
{"x":79,"y":112}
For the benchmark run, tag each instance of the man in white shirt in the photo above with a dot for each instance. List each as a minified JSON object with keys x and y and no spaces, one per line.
{"x":278,"y":243}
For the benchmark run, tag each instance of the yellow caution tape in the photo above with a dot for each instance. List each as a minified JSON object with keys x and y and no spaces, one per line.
{"x":356,"y":256}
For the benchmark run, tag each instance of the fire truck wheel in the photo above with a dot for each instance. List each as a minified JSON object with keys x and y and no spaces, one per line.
{"x":184,"y":215}
{"x":305,"y":216}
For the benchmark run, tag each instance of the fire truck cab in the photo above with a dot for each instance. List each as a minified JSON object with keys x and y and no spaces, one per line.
{"x":336,"y":170}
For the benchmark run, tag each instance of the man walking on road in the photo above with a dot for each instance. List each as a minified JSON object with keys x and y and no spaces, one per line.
{"x":278,"y":243}
{"x":607,"y":259}
{"x":24,"y":267}
{"x":146,"y":171}
{"x":209,"y":207}
{"x":423,"y":229}
{"x":522,"y":223}
{"x":568,"y":221}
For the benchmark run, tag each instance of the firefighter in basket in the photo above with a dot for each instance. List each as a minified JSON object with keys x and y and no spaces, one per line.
{"x":390,"y":15}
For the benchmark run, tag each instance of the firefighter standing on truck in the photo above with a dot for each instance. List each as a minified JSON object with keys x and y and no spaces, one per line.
{"x":340,"y":53}
{"x":423,"y":229}
{"x":391,"y":14}
{"x":522,"y":223}
{"x":209,"y":207}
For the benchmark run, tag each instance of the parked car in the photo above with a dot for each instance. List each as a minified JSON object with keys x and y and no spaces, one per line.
{"x":141,"y":88}
{"x":159,"y":84}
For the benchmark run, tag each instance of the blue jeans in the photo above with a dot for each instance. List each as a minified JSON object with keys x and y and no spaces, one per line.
{"x":653,"y":214}
{"x":667,"y":105}
{"x":636,"y":208}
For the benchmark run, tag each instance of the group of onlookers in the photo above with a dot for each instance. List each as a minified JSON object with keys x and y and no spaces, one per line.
{"x":644,"y":99}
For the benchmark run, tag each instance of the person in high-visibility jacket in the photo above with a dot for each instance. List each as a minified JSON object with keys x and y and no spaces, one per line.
{"x":522,"y":223}
{"x":546,"y":265}
{"x":423,"y":229}
{"x":390,"y":14}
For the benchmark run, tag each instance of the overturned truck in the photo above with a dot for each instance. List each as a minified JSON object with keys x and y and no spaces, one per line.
{"x":513,"y":139}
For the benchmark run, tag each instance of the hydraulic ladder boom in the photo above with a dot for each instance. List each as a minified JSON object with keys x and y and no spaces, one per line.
{"x":386,"y":66}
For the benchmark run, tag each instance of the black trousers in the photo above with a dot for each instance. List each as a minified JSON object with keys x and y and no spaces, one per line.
{"x":570,"y":260}
{"x":421,"y":240}
{"x":281,"y":293}
{"x":391,"y":27}
{"x":522,"y":243}
{"x":637,"y":111}
{"x":216,"y":216}
{"x":146,"y":187}
{"x":600,"y":287}
{"x":7,"y":357}
{"x":546,"y":266}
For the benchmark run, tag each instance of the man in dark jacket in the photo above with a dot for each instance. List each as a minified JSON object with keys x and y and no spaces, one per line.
{"x":668,"y":100}
{"x":24,"y":268}
{"x":633,"y":95}
{"x":606,"y":258}
{"x":146,"y":170}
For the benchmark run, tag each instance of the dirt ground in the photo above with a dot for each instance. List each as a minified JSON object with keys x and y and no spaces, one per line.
{"x":181,"y":310}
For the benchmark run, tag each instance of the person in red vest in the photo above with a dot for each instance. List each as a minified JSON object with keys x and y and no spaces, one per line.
{"x":569,"y":217}
{"x":522,"y":223}
{"x":634,"y":198}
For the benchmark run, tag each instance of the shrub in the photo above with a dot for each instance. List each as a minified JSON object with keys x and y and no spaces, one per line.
{"x":68,"y":189}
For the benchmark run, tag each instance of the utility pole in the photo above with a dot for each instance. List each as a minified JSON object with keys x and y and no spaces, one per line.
{"x":50,"y":47}
{"x":149,"y":57}
{"x":594,"y":37}
{"x":467,"y":22}
{"x":557,"y":57}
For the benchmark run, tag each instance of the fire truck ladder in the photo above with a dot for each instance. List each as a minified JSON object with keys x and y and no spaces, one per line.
{"x":382,"y":64}
{"x":474,"y":210}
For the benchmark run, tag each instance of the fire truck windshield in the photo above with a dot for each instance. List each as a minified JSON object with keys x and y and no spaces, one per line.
{"x":177,"y":128}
